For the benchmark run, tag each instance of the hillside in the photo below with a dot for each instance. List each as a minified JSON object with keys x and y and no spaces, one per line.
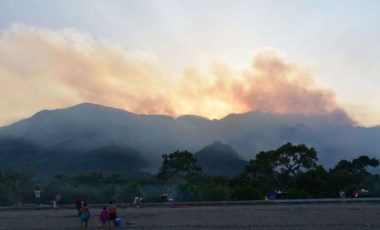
{"x":89,"y":128}
{"x":219,"y":159}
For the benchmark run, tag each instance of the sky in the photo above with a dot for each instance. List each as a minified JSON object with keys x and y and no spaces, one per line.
{"x":201,"y":57}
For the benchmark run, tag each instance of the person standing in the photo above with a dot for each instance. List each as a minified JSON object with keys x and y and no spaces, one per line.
{"x":58,"y":200}
{"x":103,"y":218}
{"x":84,"y":216}
{"x":342,"y":194}
{"x":141,"y":201}
{"x":355,"y":194}
{"x":111,"y":214}
{"x":37,"y":196}
{"x":78,"y":202}
{"x":136,"y":202}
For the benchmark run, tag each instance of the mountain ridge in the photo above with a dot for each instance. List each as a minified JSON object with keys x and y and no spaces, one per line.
{"x":86,"y":127}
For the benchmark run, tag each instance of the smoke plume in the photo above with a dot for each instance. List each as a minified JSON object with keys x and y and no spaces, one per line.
{"x":45,"y":69}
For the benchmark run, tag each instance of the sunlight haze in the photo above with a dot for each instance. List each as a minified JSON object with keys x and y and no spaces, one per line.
{"x":207,"y":58}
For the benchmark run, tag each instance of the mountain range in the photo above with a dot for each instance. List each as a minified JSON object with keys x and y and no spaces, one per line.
{"x":90,"y":137}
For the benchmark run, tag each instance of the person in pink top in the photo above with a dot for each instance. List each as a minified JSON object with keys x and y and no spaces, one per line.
{"x":103,"y":218}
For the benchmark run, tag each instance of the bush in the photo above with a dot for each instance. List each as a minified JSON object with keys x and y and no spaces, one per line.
{"x":214,"y":194}
{"x":296,"y":194}
{"x":245,"y":193}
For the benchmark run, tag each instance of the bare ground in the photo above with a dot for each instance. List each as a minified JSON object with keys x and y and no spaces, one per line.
{"x":253,"y":216}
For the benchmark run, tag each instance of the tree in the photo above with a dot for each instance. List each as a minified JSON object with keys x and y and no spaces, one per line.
{"x":258,"y":178}
{"x":178,"y":163}
{"x":292,"y":160}
{"x":15,"y":187}
{"x":315,"y":182}
{"x":276,"y":169}
{"x":356,"y":166}
{"x":353,"y":174}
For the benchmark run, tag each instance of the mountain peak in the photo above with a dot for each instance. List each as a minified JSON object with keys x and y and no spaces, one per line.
{"x":218,"y":144}
{"x":219,"y":150}
{"x":88,"y":105}
{"x":220,"y":159}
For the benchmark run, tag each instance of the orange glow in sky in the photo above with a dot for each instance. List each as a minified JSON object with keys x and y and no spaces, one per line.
{"x":67,"y":67}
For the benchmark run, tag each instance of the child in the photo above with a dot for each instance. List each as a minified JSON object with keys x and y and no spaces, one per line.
{"x":84,"y":215}
{"x":103,"y":218}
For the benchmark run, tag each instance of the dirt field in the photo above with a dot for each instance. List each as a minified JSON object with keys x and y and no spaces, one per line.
{"x":253,"y":216}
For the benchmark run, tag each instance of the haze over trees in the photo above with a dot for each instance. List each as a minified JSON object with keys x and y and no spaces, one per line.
{"x":95,"y":151}
{"x":42,"y":142}
{"x":292,"y":169}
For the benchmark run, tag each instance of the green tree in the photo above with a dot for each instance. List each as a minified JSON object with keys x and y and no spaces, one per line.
{"x":178,"y":163}
{"x":353,"y":174}
{"x":258,"y":178}
{"x":210,"y":188}
{"x":292,"y":160}
{"x":15,"y":187}
{"x":275,"y":169}
{"x":357,"y":166}
{"x":315,"y":182}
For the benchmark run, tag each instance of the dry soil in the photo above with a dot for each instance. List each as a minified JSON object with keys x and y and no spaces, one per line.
{"x":252,"y":216}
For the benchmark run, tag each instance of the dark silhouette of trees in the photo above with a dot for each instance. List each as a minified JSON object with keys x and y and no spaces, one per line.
{"x":291,"y":169}
{"x":15,"y":187}
{"x":293,"y":160}
{"x":353,"y":175}
{"x":178,"y":163}
{"x":275,"y":169}
{"x":314,"y":183}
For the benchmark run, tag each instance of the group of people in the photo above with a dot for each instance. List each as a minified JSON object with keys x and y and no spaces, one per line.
{"x":57,"y":199}
{"x":164,"y":196}
{"x":107,"y":216}
{"x":355,"y":193}
{"x":138,"y":202}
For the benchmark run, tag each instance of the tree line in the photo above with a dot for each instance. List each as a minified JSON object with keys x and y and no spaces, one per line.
{"x":291,"y":171}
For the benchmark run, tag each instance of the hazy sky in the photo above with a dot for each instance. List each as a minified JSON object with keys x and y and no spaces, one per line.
{"x":209,"y":58}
